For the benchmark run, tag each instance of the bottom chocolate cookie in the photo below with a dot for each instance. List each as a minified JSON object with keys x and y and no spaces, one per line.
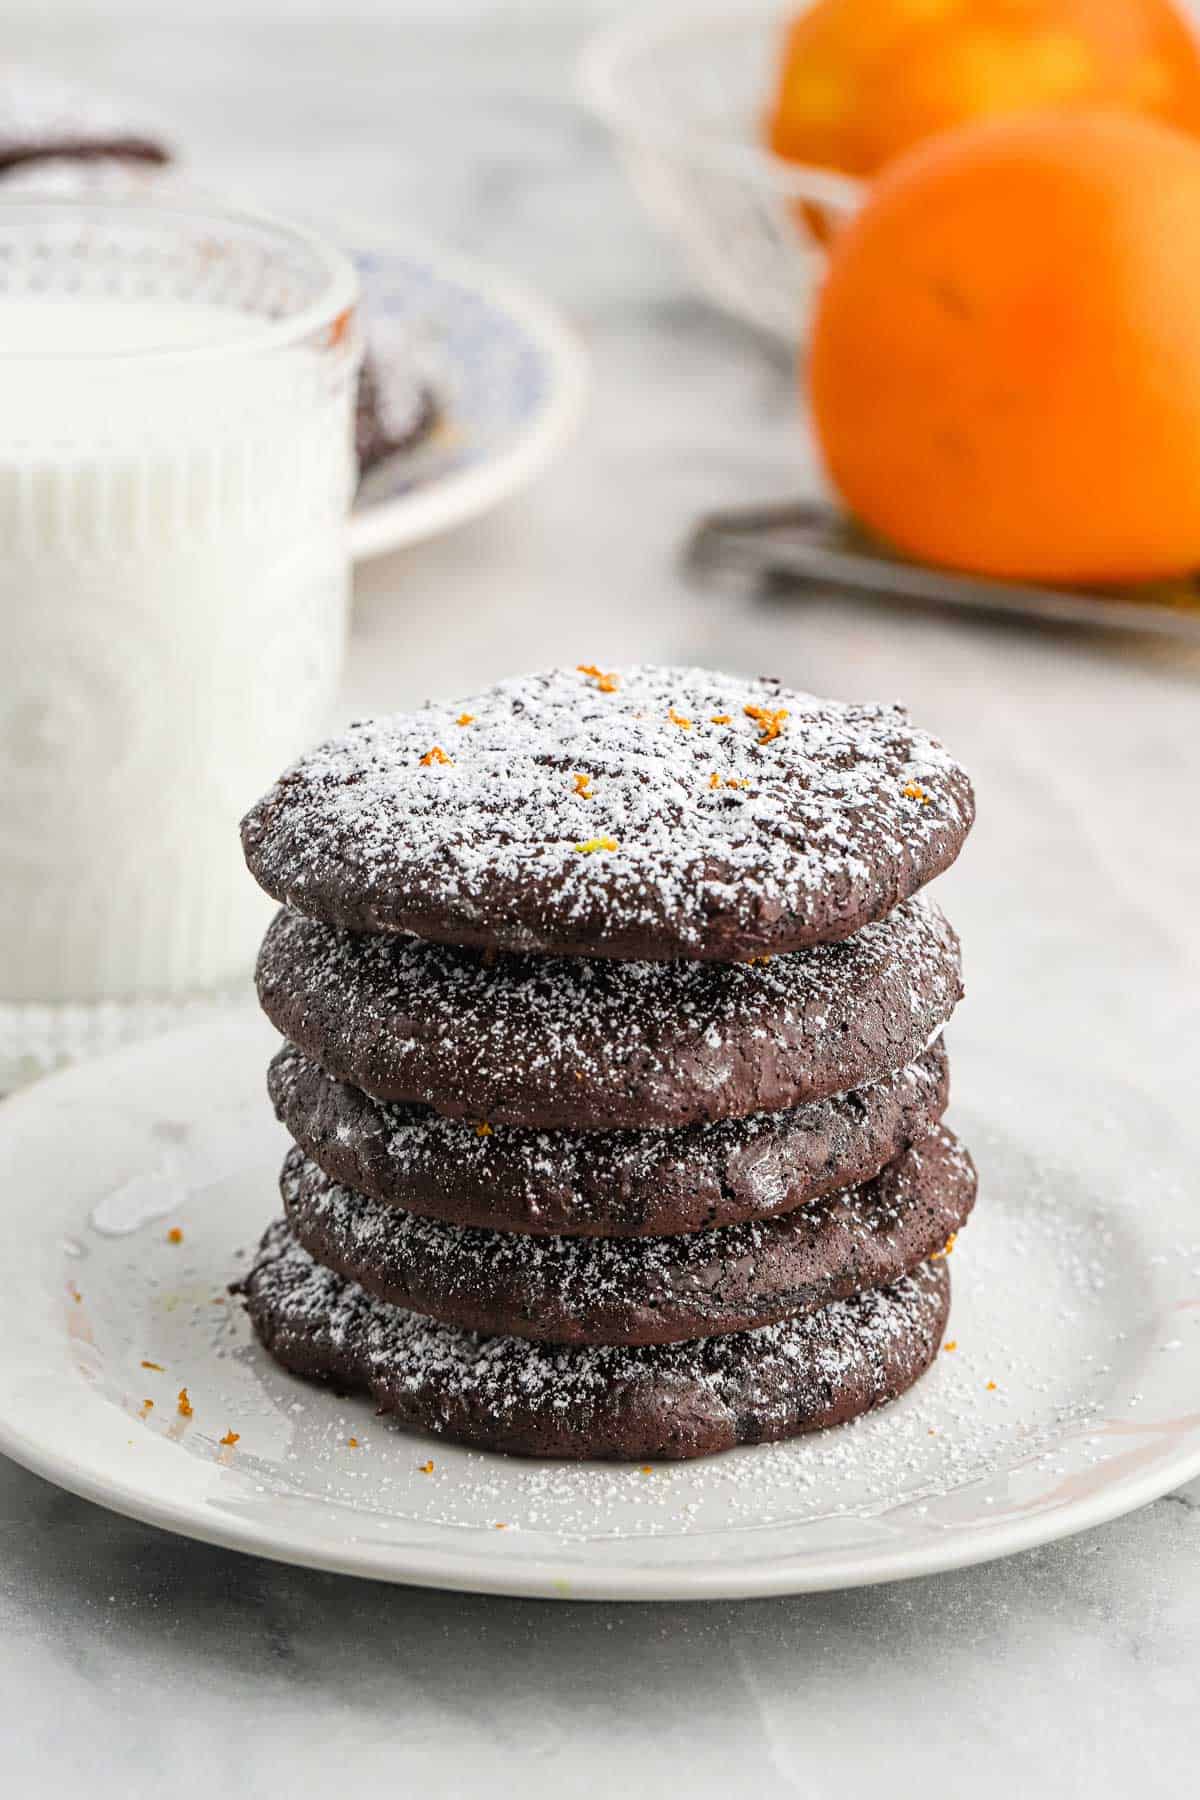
{"x":662,"y":1401}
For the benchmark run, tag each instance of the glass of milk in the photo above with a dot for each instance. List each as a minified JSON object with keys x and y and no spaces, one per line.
{"x":176,"y":388}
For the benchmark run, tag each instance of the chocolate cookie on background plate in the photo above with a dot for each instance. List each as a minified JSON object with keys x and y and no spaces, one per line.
{"x":651,"y":814}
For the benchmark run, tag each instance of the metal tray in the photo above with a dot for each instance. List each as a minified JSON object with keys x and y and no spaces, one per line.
{"x":816,"y":545}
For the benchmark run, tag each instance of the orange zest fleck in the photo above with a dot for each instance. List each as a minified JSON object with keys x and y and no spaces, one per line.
{"x":601,"y":843}
{"x":426,"y":1468}
{"x":605,"y":683}
{"x":714,"y":780}
{"x":770,"y":724}
{"x":947,"y":1248}
{"x":583,"y":785}
{"x":483,"y":1129}
{"x":913,"y":790}
{"x":500,"y":1525}
{"x":678,"y":719}
{"x":991,"y":1387}
{"x":75,"y":1294}
{"x":734,"y":781}
{"x":157,"y":1367}
{"x":759,"y":961}
{"x":952,"y":1344}
{"x":465,"y":719}
{"x":352,"y":1443}
{"x":174,"y":1236}
{"x":231,"y":1437}
{"x":647,"y":1469}
{"x":436,"y":755}
{"x":147,"y":1406}
{"x":720,"y":719}
{"x":183,"y":1401}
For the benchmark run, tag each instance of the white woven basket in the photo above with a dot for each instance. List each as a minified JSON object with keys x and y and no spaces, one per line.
{"x":684,"y":93}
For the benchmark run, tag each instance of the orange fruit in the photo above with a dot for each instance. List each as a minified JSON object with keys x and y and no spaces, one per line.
{"x":1005,"y":365}
{"x":863,"y":80}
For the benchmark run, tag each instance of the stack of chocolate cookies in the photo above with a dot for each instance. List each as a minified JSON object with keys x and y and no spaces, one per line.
{"x":614,"y":1063}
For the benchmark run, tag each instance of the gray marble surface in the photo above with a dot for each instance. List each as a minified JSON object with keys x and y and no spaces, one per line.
{"x":132,"y":1663}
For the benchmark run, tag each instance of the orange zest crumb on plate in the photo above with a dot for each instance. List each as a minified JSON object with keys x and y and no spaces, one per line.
{"x":183,"y":1402}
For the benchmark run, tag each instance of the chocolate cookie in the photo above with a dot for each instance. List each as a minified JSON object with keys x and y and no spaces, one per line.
{"x":587,"y":1045}
{"x":394,"y":406}
{"x":659,"y":1290}
{"x":652,"y":814}
{"x":42,"y":116}
{"x":604,"y":1183}
{"x":662,"y":1401}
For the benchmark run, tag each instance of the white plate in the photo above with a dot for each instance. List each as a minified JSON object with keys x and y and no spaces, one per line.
{"x":1077,"y":1294}
{"x":508,"y":377}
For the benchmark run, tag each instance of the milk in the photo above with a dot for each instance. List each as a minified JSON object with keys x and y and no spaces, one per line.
{"x":173,"y":586}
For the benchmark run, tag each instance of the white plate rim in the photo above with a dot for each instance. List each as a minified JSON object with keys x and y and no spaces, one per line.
{"x":458,"y":1566}
{"x":455,"y":498}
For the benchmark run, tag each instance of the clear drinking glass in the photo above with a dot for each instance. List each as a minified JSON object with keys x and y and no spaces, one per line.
{"x":176,"y":466}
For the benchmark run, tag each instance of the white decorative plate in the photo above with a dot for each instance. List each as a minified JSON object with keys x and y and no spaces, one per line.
{"x":507,"y":378}
{"x":1072,"y":1393}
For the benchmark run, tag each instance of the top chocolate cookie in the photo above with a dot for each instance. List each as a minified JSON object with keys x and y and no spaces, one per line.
{"x":648,"y":813}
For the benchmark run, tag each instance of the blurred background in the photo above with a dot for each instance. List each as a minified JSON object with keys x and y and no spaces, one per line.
{"x":470,"y":126}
